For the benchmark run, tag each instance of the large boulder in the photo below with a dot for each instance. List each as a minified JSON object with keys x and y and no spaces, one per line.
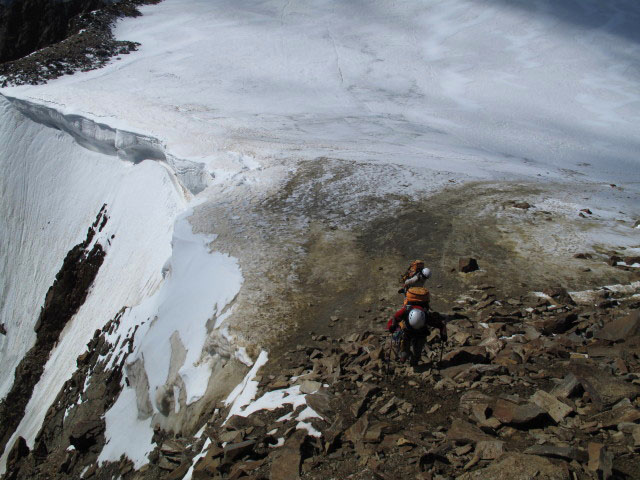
{"x":621,"y":329}
{"x":287,"y":460}
{"x":467,"y":265}
{"x":518,"y":466}
{"x":464,"y":432}
{"x":463,"y":355}
{"x":604,"y":388}
{"x":550,"y":404}
{"x":84,"y":433}
{"x":559,"y":295}
{"x":510,"y":413}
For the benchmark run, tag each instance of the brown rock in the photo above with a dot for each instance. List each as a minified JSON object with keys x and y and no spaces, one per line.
{"x":559,"y":294}
{"x":286,"y":461}
{"x":466,"y":355}
{"x":621,"y":329}
{"x":612,"y":418}
{"x":387,"y":407}
{"x":320,"y":403}
{"x":556,"y":324}
{"x":550,"y":404}
{"x":613,"y":260}
{"x":464,"y":432}
{"x":510,"y":413}
{"x":165,"y":464}
{"x":471,"y":398}
{"x":366,"y":392}
{"x":569,"y":386}
{"x":467,"y":265}
{"x":19,"y":451}
{"x":333,"y":434}
{"x":355,"y":433}
{"x":238,"y":450}
{"x":453,"y":372}
{"x":635,"y":432}
{"x":631,"y":260}
{"x":493,"y":345}
{"x":85,"y":432}
{"x":375,"y":432}
{"x":514,"y":466}
{"x":489,"y":449}
{"x":599,"y":460}
{"x":555,"y":451}
{"x":603,"y":388}
{"x":522,"y":205}
{"x":208,"y":465}
{"x":309,"y":386}
{"x":179,"y":472}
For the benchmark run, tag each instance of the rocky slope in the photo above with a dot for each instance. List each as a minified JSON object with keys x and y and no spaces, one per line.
{"x":42,"y":39}
{"x":544,"y":385}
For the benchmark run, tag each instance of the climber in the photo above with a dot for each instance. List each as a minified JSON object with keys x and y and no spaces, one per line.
{"x":413,"y":322}
{"x":415,"y":276}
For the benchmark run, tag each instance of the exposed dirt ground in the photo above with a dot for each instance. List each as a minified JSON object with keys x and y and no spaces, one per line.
{"x":329,"y":245}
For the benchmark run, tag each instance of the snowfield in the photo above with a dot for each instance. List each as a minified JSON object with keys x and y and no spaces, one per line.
{"x":496,"y":87}
{"x":225,"y":98}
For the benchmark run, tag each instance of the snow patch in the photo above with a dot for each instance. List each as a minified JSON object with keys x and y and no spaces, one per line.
{"x":125,"y":433}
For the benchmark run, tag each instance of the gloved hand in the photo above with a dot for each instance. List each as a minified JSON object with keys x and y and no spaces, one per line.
{"x":392,"y":328}
{"x":401,"y":290}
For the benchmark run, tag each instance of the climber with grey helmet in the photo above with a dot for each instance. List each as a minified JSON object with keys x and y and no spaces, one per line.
{"x":414,"y":320}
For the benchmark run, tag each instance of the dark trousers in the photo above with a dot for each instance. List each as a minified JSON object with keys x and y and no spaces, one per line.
{"x":411,"y":346}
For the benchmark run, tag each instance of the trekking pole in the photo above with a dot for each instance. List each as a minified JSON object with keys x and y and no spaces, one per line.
{"x":388,"y":357}
{"x":441,"y":349}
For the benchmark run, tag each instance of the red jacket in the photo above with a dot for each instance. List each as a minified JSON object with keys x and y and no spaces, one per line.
{"x":432,"y":319}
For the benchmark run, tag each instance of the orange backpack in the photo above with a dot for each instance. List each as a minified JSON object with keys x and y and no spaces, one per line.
{"x":414,"y":268}
{"x":417,"y":296}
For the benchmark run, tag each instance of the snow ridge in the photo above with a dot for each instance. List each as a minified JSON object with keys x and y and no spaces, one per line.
{"x":127,"y":146}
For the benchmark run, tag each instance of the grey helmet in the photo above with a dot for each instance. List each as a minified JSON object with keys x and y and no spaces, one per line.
{"x":417,"y":319}
{"x":426,"y":273}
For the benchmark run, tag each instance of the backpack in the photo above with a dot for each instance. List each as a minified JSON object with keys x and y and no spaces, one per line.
{"x":415,"y":267}
{"x":419,"y":296}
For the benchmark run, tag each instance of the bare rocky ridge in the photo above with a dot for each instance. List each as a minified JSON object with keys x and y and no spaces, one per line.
{"x":29,"y":25}
{"x":77,"y":37}
{"x":63,"y":299}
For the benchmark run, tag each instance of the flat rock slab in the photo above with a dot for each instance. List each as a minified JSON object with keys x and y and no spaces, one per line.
{"x":464,"y":432}
{"x":621,"y":329}
{"x":604,"y":388}
{"x":554,"y":451}
{"x":309,"y":386}
{"x":471,"y":398}
{"x":569,"y":386}
{"x":489,"y":449}
{"x":550,"y":404}
{"x":600,"y":460}
{"x":510,"y":413}
{"x":614,"y":417}
{"x":518,"y":466}
{"x":286,"y":462}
